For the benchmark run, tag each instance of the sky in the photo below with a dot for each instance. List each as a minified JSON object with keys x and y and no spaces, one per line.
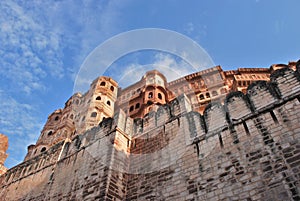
{"x":44,"y":44}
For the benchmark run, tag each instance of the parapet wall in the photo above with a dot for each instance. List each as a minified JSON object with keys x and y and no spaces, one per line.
{"x":246,"y":149}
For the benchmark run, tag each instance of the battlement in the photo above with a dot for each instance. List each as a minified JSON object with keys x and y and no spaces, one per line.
{"x":233,"y":146}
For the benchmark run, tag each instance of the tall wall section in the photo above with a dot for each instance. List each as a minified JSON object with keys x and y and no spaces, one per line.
{"x":246,"y":149}
{"x":3,"y":154}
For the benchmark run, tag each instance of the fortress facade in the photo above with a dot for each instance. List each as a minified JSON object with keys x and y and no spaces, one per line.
{"x":210,"y":135}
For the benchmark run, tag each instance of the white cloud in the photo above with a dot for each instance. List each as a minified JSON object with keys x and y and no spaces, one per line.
{"x":41,"y":42}
{"x":20,"y":123}
{"x":26,"y":48}
{"x":189,"y":28}
{"x":167,"y":64}
{"x":172,"y":68}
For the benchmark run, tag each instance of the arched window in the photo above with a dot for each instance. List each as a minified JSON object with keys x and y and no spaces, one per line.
{"x":77,"y":102}
{"x":207,"y":95}
{"x":71,"y":116}
{"x":108,"y":102}
{"x":83,"y":118}
{"x":131,"y":108}
{"x":150,"y":109}
{"x":223,"y":91}
{"x":112,"y":88}
{"x":43,"y":149}
{"x":201,"y":97}
{"x":56,"y":118}
{"x":214,"y":93}
{"x":137,"y":106}
{"x":94,"y":114}
{"x":102,"y":84}
{"x":50,"y":133}
{"x":159,"y":96}
{"x":150,"y":95}
{"x":98,"y":98}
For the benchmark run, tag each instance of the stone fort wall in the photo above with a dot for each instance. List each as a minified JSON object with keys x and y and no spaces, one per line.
{"x":246,"y":149}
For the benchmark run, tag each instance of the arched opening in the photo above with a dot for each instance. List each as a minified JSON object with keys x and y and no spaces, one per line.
{"x":131,"y":108}
{"x":223,"y":91}
{"x":50,"y":133}
{"x":150,"y":95}
{"x":98,"y":98}
{"x":71,"y":116}
{"x":207,"y":95}
{"x":150,"y":109}
{"x":201,"y":97}
{"x":43,"y":149}
{"x":137,"y":106}
{"x":108,"y":102}
{"x":56,"y":118}
{"x":160,"y":96}
{"x":214,"y":93}
{"x":94,"y":114}
{"x":83,"y":118}
{"x":102,"y":84}
{"x":112,"y":88}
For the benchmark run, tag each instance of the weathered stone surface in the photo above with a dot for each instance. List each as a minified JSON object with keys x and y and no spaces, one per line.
{"x":174,"y":153}
{"x":3,"y":154}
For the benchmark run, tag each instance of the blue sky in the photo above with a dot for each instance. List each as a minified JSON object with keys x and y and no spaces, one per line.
{"x":44,"y":43}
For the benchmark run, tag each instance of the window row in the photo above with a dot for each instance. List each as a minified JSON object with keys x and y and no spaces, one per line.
{"x":244,"y":83}
{"x":150,"y":95}
{"x":131,"y":93}
{"x":213,"y":93}
{"x":98,"y":98}
{"x":104,"y":83}
{"x":137,"y":106}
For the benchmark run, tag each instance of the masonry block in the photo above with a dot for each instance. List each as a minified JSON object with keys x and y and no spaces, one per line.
{"x":163,"y":114}
{"x":215,"y":118}
{"x":120,"y":120}
{"x":287,"y":81}
{"x":149,"y":121}
{"x":238,"y":106}
{"x":180,"y":105}
{"x":262,"y":94}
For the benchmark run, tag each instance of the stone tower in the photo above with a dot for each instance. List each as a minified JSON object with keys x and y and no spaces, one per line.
{"x":144,"y":96}
{"x":81,"y":112}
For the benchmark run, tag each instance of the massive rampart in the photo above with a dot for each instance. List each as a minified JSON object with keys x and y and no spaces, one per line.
{"x":246,"y":149}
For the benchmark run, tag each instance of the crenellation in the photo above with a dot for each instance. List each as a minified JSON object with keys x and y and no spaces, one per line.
{"x":163,"y":114}
{"x":262,"y":94}
{"x":245,"y":149}
{"x":149,"y":121}
{"x":287,"y":81}
{"x":238,"y":106}
{"x":215,"y":118}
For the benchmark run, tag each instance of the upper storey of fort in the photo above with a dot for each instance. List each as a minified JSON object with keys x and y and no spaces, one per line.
{"x":104,"y":98}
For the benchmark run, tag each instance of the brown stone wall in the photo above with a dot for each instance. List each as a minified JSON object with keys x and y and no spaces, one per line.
{"x":246,"y":149}
{"x":252,"y":153}
{"x":3,"y":154}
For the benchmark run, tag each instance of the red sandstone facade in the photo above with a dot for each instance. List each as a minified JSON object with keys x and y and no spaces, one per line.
{"x":3,"y":154}
{"x":104,"y":98}
{"x":243,"y":147}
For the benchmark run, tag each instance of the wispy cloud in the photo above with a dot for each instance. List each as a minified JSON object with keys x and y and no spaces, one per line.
{"x":169,"y":65}
{"x":44,"y":43}
{"x":28,"y":51}
{"x":18,"y":121}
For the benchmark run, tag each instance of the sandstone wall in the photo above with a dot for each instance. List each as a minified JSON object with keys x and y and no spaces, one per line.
{"x":246,"y":149}
{"x":3,"y":154}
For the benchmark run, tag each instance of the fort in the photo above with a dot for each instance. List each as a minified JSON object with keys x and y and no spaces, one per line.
{"x":210,"y":135}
